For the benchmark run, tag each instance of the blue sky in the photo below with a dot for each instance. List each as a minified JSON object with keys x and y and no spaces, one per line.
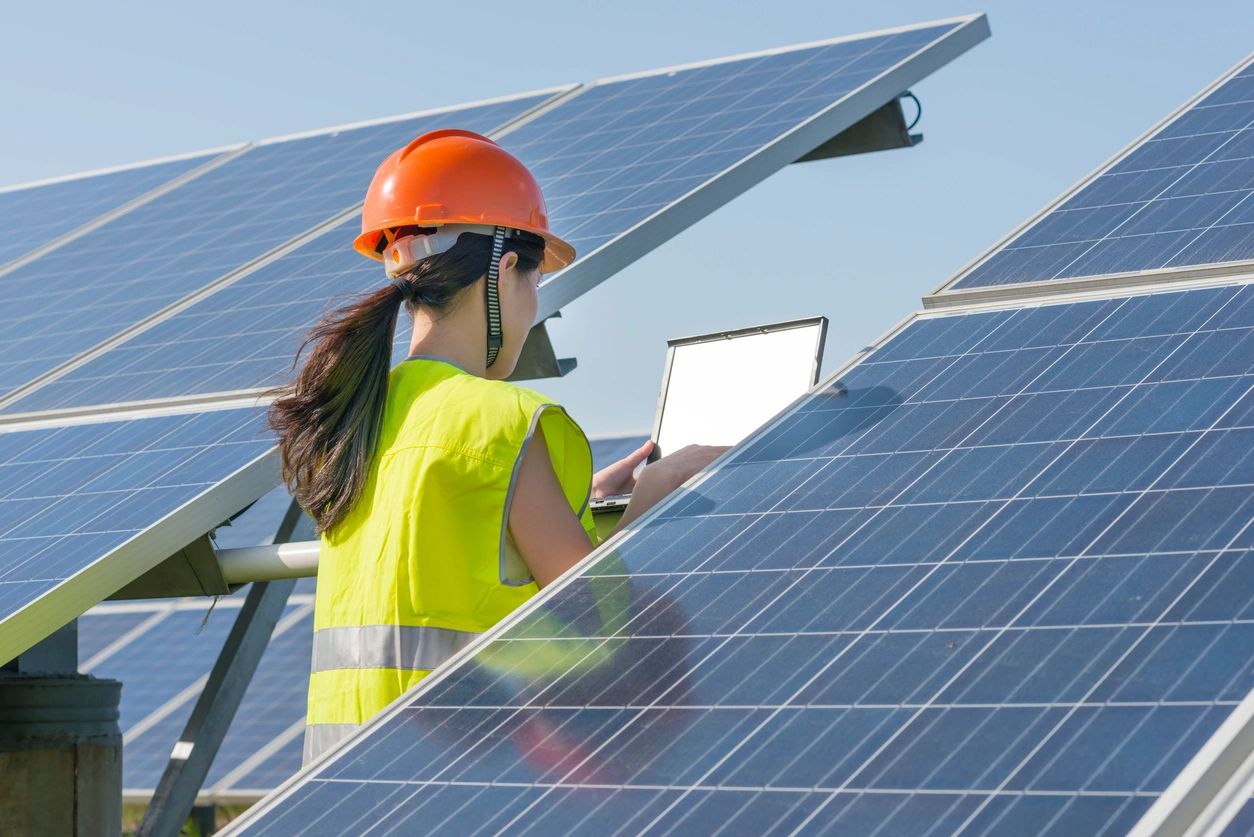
{"x":1058,"y":89}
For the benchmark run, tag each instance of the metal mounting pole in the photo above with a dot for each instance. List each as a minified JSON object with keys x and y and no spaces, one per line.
{"x":215,"y":708}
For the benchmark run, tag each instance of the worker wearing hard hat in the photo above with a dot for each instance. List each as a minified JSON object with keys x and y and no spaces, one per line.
{"x":444,"y":496}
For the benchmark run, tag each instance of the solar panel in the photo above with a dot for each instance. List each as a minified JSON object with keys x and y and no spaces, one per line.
{"x":997,"y":576}
{"x":160,"y":665}
{"x":86,"y":508}
{"x":1178,"y":198}
{"x":273,"y":711}
{"x":278,"y":766}
{"x":274,"y":701}
{"x":103,"y":631}
{"x":175,"y":245}
{"x":624,"y":164}
{"x":654,"y":152}
{"x":35,"y":215}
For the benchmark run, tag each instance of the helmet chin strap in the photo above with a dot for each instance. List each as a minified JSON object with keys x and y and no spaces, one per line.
{"x":492,"y":296}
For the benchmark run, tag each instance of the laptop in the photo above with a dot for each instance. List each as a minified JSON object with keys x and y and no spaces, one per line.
{"x":718,"y":388}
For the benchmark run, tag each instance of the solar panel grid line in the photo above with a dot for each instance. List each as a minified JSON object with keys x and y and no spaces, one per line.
{"x":1012,"y":620}
{"x":157,"y":317}
{"x":646,"y":234}
{"x":223,"y":156}
{"x":1213,"y":787}
{"x":1211,"y":315}
{"x":1088,"y":178}
{"x":950,"y":285}
{"x":182,"y":698}
{"x":560,"y":94}
{"x":173,"y":672}
{"x":904,"y":596}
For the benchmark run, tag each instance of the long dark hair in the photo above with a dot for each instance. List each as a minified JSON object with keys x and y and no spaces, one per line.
{"x":327,"y":419}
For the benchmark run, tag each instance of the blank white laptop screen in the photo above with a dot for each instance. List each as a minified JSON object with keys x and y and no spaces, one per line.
{"x":719,"y":388}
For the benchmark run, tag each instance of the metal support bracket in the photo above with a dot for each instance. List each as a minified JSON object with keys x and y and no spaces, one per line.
{"x":215,"y":708}
{"x":192,"y":571}
{"x":880,"y":130}
{"x":539,"y":359}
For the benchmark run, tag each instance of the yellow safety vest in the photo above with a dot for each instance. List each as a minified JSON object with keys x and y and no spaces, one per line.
{"x":423,"y":563}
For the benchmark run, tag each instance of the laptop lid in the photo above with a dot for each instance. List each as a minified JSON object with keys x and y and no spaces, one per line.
{"x":718,"y":388}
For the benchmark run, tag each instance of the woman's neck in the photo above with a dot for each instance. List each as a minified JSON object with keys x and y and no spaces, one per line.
{"x":459,"y":336}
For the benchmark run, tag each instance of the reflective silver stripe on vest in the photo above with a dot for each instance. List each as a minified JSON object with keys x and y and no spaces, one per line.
{"x":416,"y":648}
{"x":322,"y":737}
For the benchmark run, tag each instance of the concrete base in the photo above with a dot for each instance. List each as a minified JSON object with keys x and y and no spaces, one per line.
{"x":60,"y":755}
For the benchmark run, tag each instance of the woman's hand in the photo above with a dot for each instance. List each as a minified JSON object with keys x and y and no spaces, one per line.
{"x":664,"y":476}
{"x":620,"y":478}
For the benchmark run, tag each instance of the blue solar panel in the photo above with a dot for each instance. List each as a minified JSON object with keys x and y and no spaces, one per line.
{"x":278,"y":767}
{"x":73,"y":495}
{"x":243,"y":337}
{"x":274,"y":703}
{"x":98,"y":631}
{"x":1181,"y":198}
{"x":157,"y":666}
{"x":174,"y":245}
{"x":160,"y":667}
{"x":999,"y":577}
{"x":608,"y":159}
{"x":179,"y":659}
{"x":33,"y":216}
{"x":622,"y":150}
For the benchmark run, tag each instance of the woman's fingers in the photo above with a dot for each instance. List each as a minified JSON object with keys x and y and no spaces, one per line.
{"x":619,"y":478}
{"x":640,"y":454}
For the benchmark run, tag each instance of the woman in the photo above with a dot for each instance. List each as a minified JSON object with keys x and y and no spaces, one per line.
{"x":444,"y":497}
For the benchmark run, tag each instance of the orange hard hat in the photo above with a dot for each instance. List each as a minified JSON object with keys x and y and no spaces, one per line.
{"x":455,"y":177}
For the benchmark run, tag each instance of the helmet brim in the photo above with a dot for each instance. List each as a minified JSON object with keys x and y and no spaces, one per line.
{"x":558,"y":253}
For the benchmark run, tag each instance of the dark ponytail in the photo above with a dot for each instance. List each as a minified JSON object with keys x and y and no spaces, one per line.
{"x":328,"y":419}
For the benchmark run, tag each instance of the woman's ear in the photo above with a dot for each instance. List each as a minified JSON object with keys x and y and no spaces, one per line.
{"x":508,"y":262}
